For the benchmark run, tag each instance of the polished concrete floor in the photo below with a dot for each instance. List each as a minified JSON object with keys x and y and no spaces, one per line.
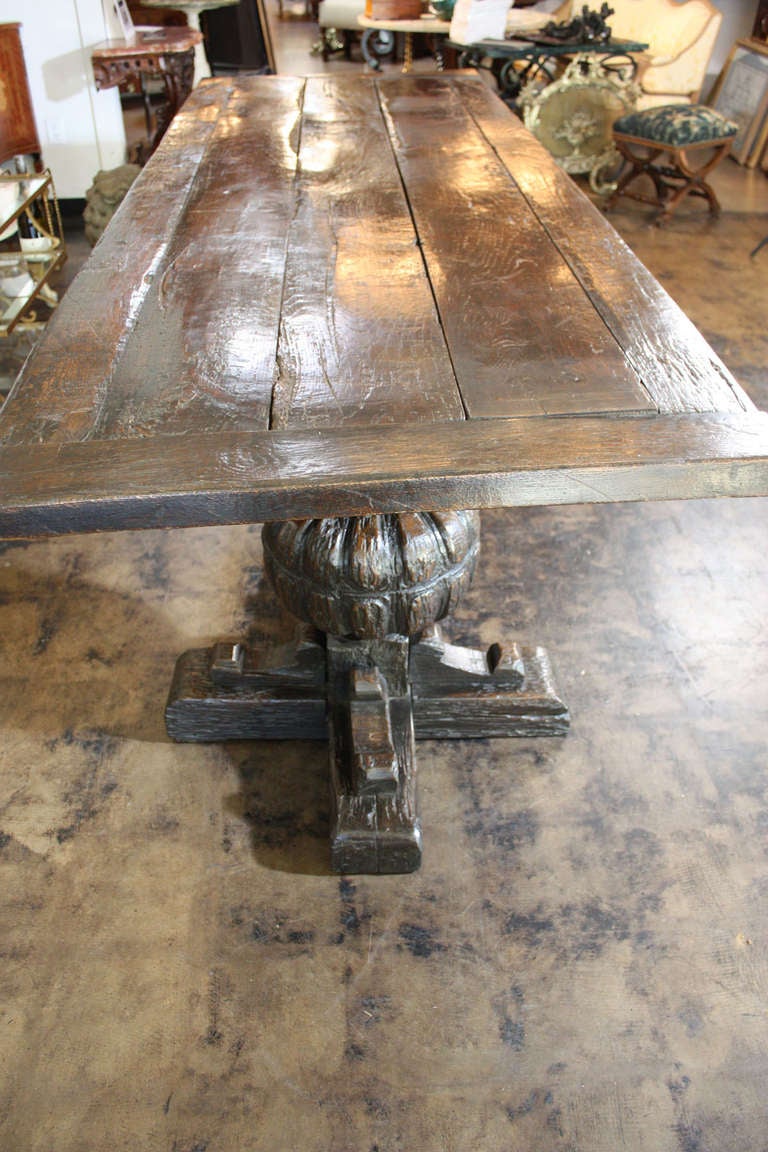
{"x":582,"y":963}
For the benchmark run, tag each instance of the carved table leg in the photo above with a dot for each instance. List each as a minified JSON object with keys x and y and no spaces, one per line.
{"x":381,"y":676}
{"x":373,"y":764}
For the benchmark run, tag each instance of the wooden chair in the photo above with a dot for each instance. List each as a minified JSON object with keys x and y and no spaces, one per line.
{"x":677,"y":146}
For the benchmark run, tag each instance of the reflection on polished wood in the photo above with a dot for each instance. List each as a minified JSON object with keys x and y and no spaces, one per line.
{"x":354,"y":301}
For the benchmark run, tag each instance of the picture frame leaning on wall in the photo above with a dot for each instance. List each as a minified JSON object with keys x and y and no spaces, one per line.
{"x":741,"y":94}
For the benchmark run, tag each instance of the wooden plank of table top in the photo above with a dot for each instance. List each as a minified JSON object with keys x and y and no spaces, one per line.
{"x":242,"y":477}
{"x":360,"y":338}
{"x":524,"y":336}
{"x":61,"y":391}
{"x":674,"y":362}
{"x":172,"y":325}
{"x":202,"y":353}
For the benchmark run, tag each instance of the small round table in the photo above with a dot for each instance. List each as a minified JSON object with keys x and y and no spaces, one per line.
{"x":192,"y":10}
{"x":425,"y":25}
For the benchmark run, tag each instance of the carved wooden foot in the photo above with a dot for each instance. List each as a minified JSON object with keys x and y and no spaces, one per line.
{"x":383,"y":677}
{"x":373,"y":764}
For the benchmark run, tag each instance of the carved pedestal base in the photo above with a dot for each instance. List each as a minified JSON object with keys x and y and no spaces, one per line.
{"x":371,"y":696}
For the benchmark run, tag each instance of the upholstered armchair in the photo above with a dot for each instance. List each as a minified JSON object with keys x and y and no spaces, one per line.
{"x":680,"y":36}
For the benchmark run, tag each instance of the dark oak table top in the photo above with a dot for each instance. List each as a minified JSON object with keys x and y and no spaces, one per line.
{"x":340,"y":295}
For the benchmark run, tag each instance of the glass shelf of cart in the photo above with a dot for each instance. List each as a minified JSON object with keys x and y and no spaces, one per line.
{"x":31,"y":247}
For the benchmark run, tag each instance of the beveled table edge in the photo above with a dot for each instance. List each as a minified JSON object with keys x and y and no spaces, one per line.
{"x":249,"y":477}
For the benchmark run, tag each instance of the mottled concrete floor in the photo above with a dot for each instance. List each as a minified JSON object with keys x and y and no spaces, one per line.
{"x":580,"y":966}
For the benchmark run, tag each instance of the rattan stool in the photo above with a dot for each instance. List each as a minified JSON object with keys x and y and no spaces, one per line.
{"x":690,"y":140}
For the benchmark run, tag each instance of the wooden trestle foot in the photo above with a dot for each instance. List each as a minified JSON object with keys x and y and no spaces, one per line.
{"x":370,"y":701}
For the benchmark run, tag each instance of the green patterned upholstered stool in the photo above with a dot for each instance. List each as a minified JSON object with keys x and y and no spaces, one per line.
{"x":677,"y":146}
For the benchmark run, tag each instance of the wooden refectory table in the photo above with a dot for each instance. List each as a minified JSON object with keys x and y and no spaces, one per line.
{"x":353,"y":308}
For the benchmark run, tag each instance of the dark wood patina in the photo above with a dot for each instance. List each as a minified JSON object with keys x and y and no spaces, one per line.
{"x":345,"y":307}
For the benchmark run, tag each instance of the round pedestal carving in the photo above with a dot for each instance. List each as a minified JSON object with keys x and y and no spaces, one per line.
{"x":368,"y":577}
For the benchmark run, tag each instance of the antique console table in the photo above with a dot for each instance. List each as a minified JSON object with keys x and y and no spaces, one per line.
{"x":168,"y":53}
{"x":353,"y":308}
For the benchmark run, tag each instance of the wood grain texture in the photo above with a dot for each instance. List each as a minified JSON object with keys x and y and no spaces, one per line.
{"x":201,"y":711}
{"x":370,"y":576}
{"x":360,"y":339}
{"x":240,"y":478}
{"x":523,"y":335}
{"x":203,"y":351}
{"x":533,"y":709}
{"x":374,"y":829}
{"x":315,"y":236}
{"x":671,"y":358}
{"x":66,"y":383}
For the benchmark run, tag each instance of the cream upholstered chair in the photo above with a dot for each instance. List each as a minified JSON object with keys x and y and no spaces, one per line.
{"x":680,"y":36}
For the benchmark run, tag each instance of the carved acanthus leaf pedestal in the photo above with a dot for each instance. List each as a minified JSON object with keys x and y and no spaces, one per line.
{"x":371,"y":672}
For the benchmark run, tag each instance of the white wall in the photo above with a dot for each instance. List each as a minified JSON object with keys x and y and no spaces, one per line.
{"x":738,"y":18}
{"x":81,"y":130}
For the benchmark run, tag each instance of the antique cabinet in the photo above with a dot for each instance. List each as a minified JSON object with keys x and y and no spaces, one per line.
{"x":18,"y":134}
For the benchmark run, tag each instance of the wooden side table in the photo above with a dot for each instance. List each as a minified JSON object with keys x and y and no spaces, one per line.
{"x":165,"y":52}
{"x":192,"y":10}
